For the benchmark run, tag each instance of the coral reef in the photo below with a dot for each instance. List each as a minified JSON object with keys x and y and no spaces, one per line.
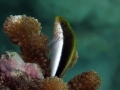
{"x":53,"y":83}
{"x":22,"y":75}
{"x":11,"y":64}
{"x":85,"y":81}
{"x":30,"y":69}
{"x":25,"y":32}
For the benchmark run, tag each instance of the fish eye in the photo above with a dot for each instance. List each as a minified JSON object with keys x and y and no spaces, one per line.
{"x":63,"y":24}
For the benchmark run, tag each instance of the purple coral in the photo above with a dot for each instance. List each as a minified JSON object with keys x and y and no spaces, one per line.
{"x":11,"y":61}
{"x":13,"y":66}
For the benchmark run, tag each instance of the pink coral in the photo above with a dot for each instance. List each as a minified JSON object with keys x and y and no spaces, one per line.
{"x":25,"y":76}
{"x":11,"y":63}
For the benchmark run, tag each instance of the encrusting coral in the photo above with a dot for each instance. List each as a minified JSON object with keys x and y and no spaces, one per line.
{"x":22,"y":75}
{"x":30,"y":68}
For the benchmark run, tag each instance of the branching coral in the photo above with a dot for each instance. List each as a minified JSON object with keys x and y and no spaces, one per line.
{"x":30,"y":69}
{"x":85,"y":81}
{"x":53,"y":83}
{"x":25,"y":32}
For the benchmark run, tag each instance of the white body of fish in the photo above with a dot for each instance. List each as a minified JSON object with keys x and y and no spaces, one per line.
{"x":56,"y":49}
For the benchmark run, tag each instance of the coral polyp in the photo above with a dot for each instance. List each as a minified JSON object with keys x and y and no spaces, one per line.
{"x":30,"y":69}
{"x":25,"y":32}
{"x":18,"y":26}
{"x":53,"y":83}
{"x":85,"y":81}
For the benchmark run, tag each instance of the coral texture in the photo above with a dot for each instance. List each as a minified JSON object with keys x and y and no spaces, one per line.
{"x":25,"y":32}
{"x":53,"y":83}
{"x":21,"y":82}
{"x":18,"y":75}
{"x":85,"y":81}
{"x":11,"y":64}
{"x":2,"y":87}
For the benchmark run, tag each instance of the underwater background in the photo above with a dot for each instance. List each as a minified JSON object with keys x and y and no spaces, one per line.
{"x":95,"y":23}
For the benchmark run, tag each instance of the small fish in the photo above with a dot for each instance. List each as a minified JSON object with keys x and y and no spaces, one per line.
{"x":57,"y":47}
{"x":63,"y":48}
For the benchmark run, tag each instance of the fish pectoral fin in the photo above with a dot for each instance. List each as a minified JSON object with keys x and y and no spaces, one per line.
{"x":53,"y":42}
